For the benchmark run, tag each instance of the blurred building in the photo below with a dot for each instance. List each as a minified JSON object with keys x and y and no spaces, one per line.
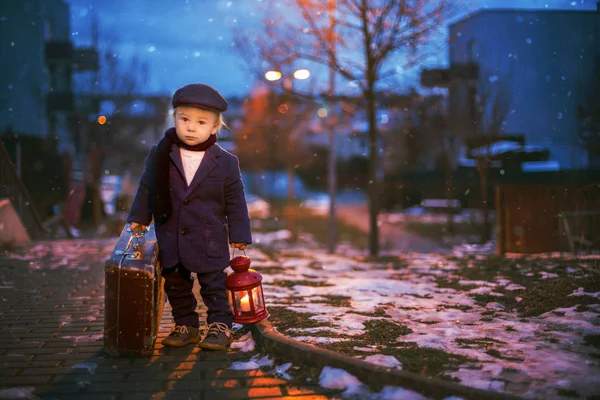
{"x":404,"y":138}
{"x":37,"y":105}
{"x":528,"y":71}
{"x":38,"y":63}
{"x":234,"y":118}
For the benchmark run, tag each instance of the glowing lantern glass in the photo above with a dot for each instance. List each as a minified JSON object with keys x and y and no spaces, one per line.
{"x":245,"y":292}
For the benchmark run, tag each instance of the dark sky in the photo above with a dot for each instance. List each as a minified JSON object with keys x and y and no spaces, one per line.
{"x":188,"y":41}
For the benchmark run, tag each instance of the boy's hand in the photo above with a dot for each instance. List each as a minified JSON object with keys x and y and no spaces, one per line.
{"x":136,"y":228}
{"x":241,"y":246}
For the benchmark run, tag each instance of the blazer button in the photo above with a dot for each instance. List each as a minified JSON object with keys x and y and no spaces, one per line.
{"x":186,"y":201}
{"x":184,"y":231}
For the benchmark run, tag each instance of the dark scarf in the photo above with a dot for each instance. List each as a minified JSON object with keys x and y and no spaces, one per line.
{"x":162,"y":199}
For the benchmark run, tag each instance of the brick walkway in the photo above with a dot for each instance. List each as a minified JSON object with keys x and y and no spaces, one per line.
{"x":51,"y":322}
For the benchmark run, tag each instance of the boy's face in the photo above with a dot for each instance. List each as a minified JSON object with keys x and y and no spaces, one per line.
{"x":195,"y":125}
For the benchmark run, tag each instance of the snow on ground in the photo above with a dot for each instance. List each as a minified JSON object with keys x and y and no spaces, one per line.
{"x":539,"y":355}
{"x":542,"y":353}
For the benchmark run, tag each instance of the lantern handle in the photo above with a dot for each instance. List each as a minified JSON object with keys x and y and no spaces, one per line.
{"x":233,"y":251}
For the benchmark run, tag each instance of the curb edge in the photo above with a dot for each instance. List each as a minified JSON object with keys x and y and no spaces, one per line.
{"x":270,"y":340}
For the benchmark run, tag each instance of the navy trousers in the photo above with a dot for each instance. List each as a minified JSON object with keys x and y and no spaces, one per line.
{"x":178,"y":288}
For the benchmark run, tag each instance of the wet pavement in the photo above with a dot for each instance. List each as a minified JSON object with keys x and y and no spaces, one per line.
{"x":51,"y":330}
{"x":391,"y":235}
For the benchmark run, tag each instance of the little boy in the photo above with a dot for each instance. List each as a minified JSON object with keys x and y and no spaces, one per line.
{"x":193,"y":189}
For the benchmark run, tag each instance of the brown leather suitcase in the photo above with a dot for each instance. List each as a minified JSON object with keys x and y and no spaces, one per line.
{"x":133,"y":295}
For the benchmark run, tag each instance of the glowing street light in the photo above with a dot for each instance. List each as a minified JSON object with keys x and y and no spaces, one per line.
{"x":288,"y":93}
{"x":273,"y":75}
{"x":302,"y":74}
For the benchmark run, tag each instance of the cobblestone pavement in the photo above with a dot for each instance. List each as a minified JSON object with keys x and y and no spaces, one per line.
{"x":51,"y":324}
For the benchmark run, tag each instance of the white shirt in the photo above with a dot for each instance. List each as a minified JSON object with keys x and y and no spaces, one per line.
{"x":191,"y":161}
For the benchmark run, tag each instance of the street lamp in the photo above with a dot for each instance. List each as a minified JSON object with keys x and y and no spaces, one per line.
{"x":302,"y":74}
{"x":274,"y":75}
{"x":288,"y":90}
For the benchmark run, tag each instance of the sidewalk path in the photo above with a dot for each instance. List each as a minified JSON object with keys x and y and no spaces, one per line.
{"x":51,"y":325}
{"x":390,"y":236}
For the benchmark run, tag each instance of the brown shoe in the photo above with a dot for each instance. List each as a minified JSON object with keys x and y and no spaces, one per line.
{"x":182,"y":335}
{"x":218,"y":337}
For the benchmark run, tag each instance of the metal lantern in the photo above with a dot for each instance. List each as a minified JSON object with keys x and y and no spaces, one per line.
{"x":245,"y":292}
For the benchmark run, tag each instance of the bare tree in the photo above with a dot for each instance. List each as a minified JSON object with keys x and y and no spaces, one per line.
{"x":492,"y":105}
{"x":436,"y":131}
{"x":262,"y":140}
{"x":284,"y":105}
{"x":372,"y":39}
{"x":256,"y":142}
{"x":271,"y":137}
{"x":120,"y":82}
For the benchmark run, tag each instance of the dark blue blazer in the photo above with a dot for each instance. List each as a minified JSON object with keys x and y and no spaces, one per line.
{"x":205,"y":217}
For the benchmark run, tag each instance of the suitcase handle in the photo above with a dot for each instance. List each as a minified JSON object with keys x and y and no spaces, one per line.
{"x":133,"y":250}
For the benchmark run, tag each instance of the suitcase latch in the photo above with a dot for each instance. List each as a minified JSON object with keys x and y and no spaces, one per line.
{"x":130,"y":255}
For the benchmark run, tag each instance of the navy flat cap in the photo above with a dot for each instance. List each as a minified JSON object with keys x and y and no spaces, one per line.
{"x":201,"y":96}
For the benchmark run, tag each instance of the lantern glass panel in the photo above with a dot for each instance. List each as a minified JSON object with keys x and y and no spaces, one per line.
{"x":236,"y":299}
{"x":243,"y":301}
{"x":257,"y":298}
{"x":231,"y":298}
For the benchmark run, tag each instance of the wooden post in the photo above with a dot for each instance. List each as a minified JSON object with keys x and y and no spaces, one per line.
{"x":500,"y":222}
{"x":95,"y":160}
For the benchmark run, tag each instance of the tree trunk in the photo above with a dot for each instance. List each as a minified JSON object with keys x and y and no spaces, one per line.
{"x":449,"y":197}
{"x":373,"y":184}
{"x":482,"y":169}
{"x":288,"y":89}
{"x":291,"y":192}
{"x":260,"y":183}
{"x":95,"y":160}
{"x":331,"y":169}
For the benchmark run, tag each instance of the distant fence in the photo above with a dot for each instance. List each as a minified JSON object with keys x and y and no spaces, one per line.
{"x":410,"y":188}
{"x":42,"y":169}
{"x":528,"y":217}
{"x":12,"y":188}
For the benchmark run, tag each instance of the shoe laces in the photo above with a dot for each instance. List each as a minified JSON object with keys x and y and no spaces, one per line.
{"x":181,"y":330}
{"x":215,"y":328}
